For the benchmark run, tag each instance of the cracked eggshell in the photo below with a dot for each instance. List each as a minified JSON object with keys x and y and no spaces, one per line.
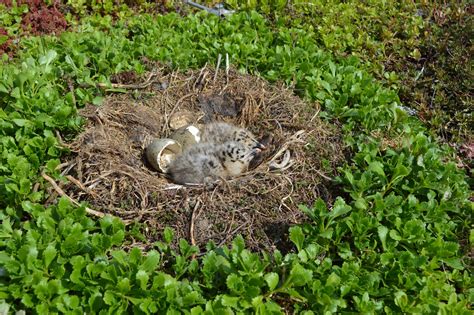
{"x":186,"y":136}
{"x":160,"y":153}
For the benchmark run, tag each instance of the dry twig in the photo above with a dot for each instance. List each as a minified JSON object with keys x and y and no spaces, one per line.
{"x":191,"y":227}
{"x":149,"y":80}
{"x":217,"y":67}
{"x":62,"y":193}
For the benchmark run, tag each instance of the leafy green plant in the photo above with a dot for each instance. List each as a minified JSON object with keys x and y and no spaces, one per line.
{"x":395,"y":242}
{"x":417,"y":48}
{"x":84,"y":7}
{"x":10,"y":18}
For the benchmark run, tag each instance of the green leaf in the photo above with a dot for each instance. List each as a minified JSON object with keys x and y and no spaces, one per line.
{"x":142,"y":278}
{"x":401,"y":299}
{"x":399,"y":172}
{"x":349,"y":176}
{"x":297,"y":237}
{"x":299,"y":275}
{"x":383,"y":231}
{"x":230,"y":301}
{"x":327,"y":233}
{"x":296,"y":295}
{"x":184,"y":247}
{"x":98,"y":100}
{"x":377,"y":167}
{"x":120,"y":256}
{"x":109,"y":298}
{"x":395,"y":235}
{"x":27,"y":300}
{"x":238,"y":244}
{"x":273,"y":308}
{"x":333,"y":280}
{"x":3,"y":39}
{"x":332,"y":67}
{"x":20,"y":122}
{"x":124,"y":285}
{"x":191,"y":298}
{"x":361,"y":204}
{"x":340,"y":208}
{"x":272,"y":280}
{"x":7,"y":230}
{"x":168,"y":235}
{"x":135,"y":256}
{"x":49,"y":254}
{"x":5,"y":258}
{"x":326,"y":86}
{"x":151,"y":261}
{"x":48,"y":58}
{"x":257,"y":302}
{"x":454,"y":263}
{"x":235,"y":283}
{"x":71,"y":301}
{"x":197,"y":310}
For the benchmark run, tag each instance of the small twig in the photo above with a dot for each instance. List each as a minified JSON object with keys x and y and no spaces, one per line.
{"x":315,"y":115}
{"x":203,"y":80}
{"x":67,"y":169}
{"x":291,"y":192}
{"x":95,"y":180}
{"x":142,"y":85}
{"x":226,"y":183}
{"x":60,"y":140}
{"x":79,"y":168}
{"x":293,"y":139}
{"x":277,"y":122}
{"x":173,"y":187}
{"x":62,"y":165}
{"x":36,"y":187}
{"x":418,"y":75}
{"x":191,"y":228}
{"x":80,"y":185}
{"x":217,"y":66}
{"x":62,"y":193}
{"x":433,"y":97}
{"x":256,"y":193}
{"x":230,"y":235}
{"x":323,"y":176}
{"x":227,"y":67}
{"x":200,"y":77}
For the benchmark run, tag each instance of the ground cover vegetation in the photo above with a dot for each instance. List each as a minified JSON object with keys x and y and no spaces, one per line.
{"x":421,"y":48}
{"x":398,"y":239}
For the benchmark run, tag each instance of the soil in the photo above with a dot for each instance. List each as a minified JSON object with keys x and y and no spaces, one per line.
{"x":112,"y":176}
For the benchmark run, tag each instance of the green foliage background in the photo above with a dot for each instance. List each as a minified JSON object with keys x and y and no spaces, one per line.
{"x":395,"y":242}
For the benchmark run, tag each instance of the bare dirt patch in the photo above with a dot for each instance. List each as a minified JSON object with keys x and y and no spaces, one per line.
{"x":113,"y":177}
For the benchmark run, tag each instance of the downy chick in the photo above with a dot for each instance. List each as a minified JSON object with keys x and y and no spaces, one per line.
{"x":220,"y":132}
{"x":205,"y":163}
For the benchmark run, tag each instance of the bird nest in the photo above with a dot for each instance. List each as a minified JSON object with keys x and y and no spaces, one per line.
{"x":107,"y":168}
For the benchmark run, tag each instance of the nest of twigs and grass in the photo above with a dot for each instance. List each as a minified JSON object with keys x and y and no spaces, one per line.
{"x":107,"y":168}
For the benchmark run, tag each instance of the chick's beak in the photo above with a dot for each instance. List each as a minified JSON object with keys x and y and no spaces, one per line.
{"x":260,"y":146}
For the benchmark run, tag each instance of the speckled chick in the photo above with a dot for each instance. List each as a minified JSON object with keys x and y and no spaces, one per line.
{"x":204,"y":163}
{"x":220,"y":132}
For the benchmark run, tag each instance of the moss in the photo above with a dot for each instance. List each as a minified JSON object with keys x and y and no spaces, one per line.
{"x":439,"y":83}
